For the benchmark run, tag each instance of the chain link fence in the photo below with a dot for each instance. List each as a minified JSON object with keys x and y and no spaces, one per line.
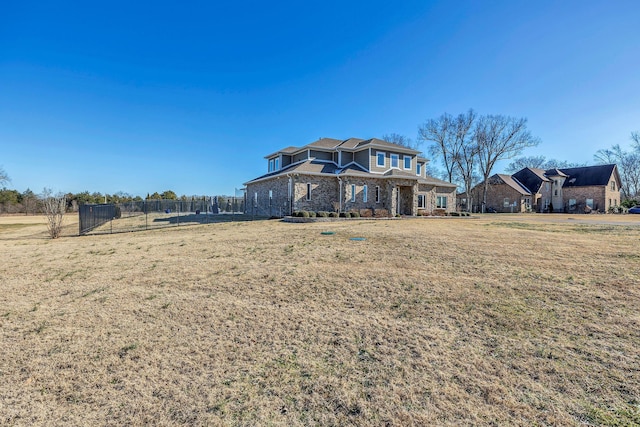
{"x":149,"y":214}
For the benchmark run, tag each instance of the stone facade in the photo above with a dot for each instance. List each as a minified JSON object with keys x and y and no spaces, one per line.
{"x":271,"y":197}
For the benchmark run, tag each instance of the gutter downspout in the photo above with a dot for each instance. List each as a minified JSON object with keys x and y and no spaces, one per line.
{"x":340,"y":187}
{"x":290,"y":189}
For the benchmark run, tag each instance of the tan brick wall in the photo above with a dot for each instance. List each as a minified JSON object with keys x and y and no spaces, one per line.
{"x":496,"y":195}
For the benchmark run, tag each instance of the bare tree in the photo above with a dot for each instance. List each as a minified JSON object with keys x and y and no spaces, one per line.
{"x":399,"y":139}
{"x":54,"y":209}
{"x":465,"y":151}
{"x":4,"y":178}
{"x":628,"y":163}
{"x":440,"y":132}
{"x":539,"y":162}
{"x":499,"y":138}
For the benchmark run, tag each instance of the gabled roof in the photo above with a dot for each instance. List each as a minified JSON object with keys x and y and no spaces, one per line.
{"x":511,"y":182}
{"x":531,"y":178}
{"x":324,"y":143}
{"x":555,"y":172}
{"x":589,"y":175}
{"x":350,"y":143}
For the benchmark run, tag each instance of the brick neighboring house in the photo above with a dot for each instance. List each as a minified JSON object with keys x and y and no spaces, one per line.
{"x":345,"y":175}
{"x":581,"y":189}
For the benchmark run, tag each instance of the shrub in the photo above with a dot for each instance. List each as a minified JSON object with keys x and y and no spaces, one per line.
{"x":381,"y":213}
{"x":355,"y":214}
{"x":398,"y":215}
{"x":322,"y":214}
{"x":305,"y":214}
{"x":312,"y":214}
{"x":455,"y":214}
{"x":333,"y":214}
{"x":345,"y":215}
{"x":366,"y":213}
{"x":423,"y":212}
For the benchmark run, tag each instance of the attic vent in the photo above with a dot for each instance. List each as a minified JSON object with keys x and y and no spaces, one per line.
{"x":572,"y":180}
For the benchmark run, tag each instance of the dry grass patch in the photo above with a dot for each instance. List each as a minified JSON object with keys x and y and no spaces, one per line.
{"x":426,"y":322}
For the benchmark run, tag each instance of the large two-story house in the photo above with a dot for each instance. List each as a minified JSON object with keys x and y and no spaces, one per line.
{"x":581,"y":189}
{"x":348,"y":175}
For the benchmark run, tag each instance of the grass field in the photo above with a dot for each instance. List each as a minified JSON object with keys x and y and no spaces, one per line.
{"x":496,"y":320}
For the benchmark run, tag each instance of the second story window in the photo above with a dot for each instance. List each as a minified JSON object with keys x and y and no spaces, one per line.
{"x":395,"y":161}
{"x":407,"y":162}
{"x":270,"y":165}
{"x":613,"y":185}
{"x":418,"y":169}
{"x":380,"y":159}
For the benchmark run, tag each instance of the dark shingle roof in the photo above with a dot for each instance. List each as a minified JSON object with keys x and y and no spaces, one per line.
{"x":531,"y":178}
{"x":588,"y":175}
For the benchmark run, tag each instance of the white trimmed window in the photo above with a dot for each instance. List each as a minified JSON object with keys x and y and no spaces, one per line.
{"x":590,"y":203}
{"x":353,"y":192}
{"x":380,"y":159}
{"x":421,"y":201}
{"x":395,"y":161}
{"x":613,"y":185}
{"x":377,"y":194}
{"x":572,"y":204}
{"x":364,"y":193}
{"x":407,"y":162}
{"x":419,"y":169}
{"x":441,"y":202}
{"x":308,"y":191}
{"x":270,"y":194}
{"x":505,"y":203}
{"x":276,"y":164}
{"x":271,"y":165}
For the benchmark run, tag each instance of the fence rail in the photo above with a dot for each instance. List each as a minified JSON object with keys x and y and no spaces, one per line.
{"x":148,"y":214}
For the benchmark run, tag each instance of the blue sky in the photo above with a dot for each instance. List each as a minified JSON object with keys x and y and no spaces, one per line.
{"x":189,"y":96}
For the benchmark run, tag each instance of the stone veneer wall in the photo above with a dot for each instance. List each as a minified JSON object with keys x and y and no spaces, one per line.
{"x":324,"y":192}
{"x":262,"y":205}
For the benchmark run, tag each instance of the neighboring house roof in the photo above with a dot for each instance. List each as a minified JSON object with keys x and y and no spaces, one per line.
{"x":554,"y":172}
{"x":589,"y":175}
{"x":531,"y":178}
{"x":511,"y":182}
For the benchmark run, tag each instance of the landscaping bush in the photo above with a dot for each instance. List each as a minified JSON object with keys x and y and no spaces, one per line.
{"x":455,"y":213}
{"x":312,"y":214}
{"x":305,"y":214}
{"x":345,"y":215}
{"x":355,"y":214}
{"x":322,"y":214}
{"x":333,"y":214}
{"x":381,"y":213}
{"x":366,"y":213}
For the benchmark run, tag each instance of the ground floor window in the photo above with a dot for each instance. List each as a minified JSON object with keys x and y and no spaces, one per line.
{"x":377,"y":194}
{"x":506,"y":202}
{"x":308,"y":191}
{"x":572,"y":204}
{"x":441,"y":202}
{"x":421,"y":203}
{"x":364,"y":193}
{"x":590,"y":203}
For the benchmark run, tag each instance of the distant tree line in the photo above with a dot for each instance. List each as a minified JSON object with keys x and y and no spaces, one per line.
{"x":29,"y":203}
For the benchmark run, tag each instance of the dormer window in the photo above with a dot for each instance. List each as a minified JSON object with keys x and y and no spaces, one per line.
{"x":270,"y":165}
{"x":419,"y":169}
{"x":276,"y":163}
{"x":407,"y":162}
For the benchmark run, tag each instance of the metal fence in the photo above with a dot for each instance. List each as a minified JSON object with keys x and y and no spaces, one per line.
{"x":149,"y":214}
